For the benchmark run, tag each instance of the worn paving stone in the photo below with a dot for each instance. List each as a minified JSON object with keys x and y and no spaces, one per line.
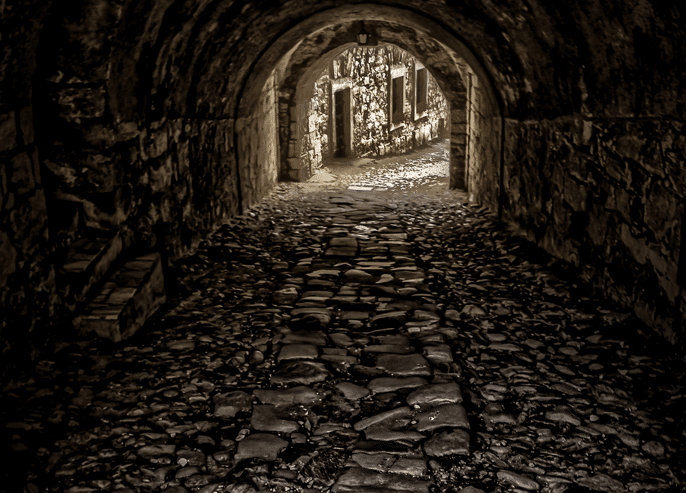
{"x":391,"y":415}
{"x":298,"y":351}
{"x":302,"y":372}
{"x":436,"y":395}
{"x":448,"y":443}
{"x":384,"y":434}
{"x":343,"y":242}
{"x":447,"y":415}
{"x":304,"y":337}
{"x":518,"y":480}
{"x":391,"y":384}
{"x":262,"y":446}
{"x":266,"y":418}
{"x":358,"y":276}
{"x":229,"y":404}
{"x":365,"y":481}
{"x":352,"y":391}
{"x":602,"y":482}
{"x":389,"y":348}
{"x":404,"y":365}
{"x":381,"y":462}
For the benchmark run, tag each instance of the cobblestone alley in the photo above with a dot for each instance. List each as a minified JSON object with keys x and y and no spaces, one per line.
{"x":342,"y":246}
{"x":346,"y":341}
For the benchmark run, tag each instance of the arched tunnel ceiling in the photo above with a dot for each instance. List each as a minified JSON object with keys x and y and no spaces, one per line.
{"x":544,"y":59}
{"x":303,"y":64}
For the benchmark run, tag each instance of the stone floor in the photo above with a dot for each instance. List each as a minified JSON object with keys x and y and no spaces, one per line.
{"x":426,"y":171}
{"x":354,"y":341}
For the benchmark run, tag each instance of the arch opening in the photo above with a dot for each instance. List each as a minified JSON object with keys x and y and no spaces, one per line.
{"x":301,"y":54}
{"x":367,"y":102}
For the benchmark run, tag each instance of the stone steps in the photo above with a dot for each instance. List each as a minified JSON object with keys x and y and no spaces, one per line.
{"x":125,"y":300}
{"x":106,"y":292}
{"x":88,"y":260}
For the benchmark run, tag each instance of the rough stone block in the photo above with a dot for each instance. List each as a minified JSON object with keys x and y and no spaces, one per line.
{"x":23,"y":173}
{"x":9,"y":255}
{"x":575,"y":194}
{"x":359,"y":479}
{"x":8,"y":132}
{"x":161,"y":177}
{"x":299,"y":175}
{"x":87,"y":263}
{"x":26,"y":124}
{"x":125,"y":309}
{"x":82,"y":102}
{"x":458,"y":116}
{"x":662,"y":210}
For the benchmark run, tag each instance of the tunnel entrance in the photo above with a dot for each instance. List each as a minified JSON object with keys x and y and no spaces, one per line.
{"x":290,"y":69}
{"x":369,"y":102}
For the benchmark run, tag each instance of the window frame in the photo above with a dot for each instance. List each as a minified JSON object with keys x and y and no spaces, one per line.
{"x":396,"y":119}
{"x":421,"y":109}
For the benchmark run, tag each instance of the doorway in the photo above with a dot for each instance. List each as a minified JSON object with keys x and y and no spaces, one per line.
{"x":341,"y":123}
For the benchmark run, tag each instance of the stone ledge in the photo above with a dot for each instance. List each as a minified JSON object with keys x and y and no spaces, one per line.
{"x":87,"y":263}
{"x":126,"y":300}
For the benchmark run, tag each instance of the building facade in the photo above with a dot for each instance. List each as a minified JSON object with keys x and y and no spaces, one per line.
{"x":371,"y":101}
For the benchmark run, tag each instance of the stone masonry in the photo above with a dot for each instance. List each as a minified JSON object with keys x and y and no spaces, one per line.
{"x":161,"y":120}
{"x":367,"y":73}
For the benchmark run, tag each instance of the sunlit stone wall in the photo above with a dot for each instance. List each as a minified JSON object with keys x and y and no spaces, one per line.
{"x":367,"y":71}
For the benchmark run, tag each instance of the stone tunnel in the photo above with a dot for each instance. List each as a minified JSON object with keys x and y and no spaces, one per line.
{"x":157,"y":121}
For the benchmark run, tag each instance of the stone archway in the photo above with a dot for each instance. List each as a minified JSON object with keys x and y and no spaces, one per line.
{"x":297,"y":83}
{"x":299,"y":53}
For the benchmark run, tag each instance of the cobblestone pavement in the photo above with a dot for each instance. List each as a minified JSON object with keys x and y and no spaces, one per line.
{"x":344,"y":341}
{"x":423,"y":172}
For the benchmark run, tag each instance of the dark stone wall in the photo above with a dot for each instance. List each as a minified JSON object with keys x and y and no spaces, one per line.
{"x":606,"y":195}
{"x":484,"y":134}
{"x":27,"y":280}
{"x":257,"y":140}
{"x":109,"y":142}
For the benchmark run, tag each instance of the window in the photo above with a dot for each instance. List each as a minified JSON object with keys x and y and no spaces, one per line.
{"x":397,"y":99}
{"x":420,"y":95}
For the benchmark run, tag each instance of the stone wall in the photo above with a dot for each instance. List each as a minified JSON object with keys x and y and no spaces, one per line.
{"x":135,"y":164}
{"x":27,"y":281}
{"x":367,"y":72}
{"x":313,"y":121}
{"x":606,"y":195}
{"x":185,"y":183}
{"x":144,"y":112}
{"x":484,"y":144}
{"x":257,"y":140}
{"x":27,"y":278}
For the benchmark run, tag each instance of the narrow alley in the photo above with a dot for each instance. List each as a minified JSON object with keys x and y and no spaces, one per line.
{"x":342,"y":246}
{"x":346,"y":341}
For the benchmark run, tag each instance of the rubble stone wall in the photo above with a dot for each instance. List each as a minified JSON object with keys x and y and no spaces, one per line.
{"x":258,"y":146}
{"x":132,"y":162}
{"x":606,"y":195}
{"x":313,"y":119}
{"x":484,"y":127}
{"x":27,"y":278}
{"x":133,"y":110}
{"x":369,"y":70}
